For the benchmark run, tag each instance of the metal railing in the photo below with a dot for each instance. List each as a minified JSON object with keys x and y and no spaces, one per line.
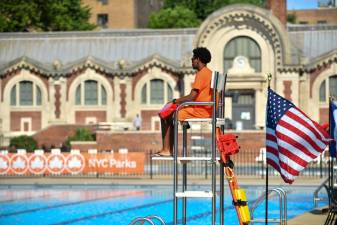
{"x":318,"y":189}
{"x":150,"y":219}
{"x":282,"y":194}
{"x":247,"y":163}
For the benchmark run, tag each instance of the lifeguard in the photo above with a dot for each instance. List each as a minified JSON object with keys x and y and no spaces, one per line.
{"x":201,"y":91}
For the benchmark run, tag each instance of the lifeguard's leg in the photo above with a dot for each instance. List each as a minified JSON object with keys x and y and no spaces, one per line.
{"x":167,"y":136}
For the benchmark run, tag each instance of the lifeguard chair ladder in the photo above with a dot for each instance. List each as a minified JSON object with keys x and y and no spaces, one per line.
{"x":218,"y":86}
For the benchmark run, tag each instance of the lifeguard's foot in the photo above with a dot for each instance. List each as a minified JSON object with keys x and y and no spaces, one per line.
{"x":162,"y":154}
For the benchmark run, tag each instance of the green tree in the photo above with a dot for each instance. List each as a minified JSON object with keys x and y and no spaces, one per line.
{"x":43,"y":15}
{"x":177,"y":17}
{"x":23,"y":142}
{"x":291,"y":18}
{"x":201,"y":8}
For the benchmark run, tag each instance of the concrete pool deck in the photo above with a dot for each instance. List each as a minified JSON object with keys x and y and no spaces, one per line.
{"x":315,"y":217}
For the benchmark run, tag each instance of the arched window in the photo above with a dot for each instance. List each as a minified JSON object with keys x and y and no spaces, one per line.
{"x":155,"y":92}
{"x":243,"y":46}
{"x":26,"y":93}
{"x":90,"y":92}
{"x":325,"y":92}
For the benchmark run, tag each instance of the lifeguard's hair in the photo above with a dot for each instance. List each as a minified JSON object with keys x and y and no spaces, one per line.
{"x":203,"y":54}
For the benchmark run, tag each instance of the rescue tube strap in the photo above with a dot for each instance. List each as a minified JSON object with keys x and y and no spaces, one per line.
{"x":239,"y":203}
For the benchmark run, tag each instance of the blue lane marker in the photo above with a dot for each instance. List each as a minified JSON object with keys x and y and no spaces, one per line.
{"x":61,"y":205}
{"x":112,"y":212}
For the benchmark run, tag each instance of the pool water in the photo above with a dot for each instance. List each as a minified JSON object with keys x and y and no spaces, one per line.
{"x":120,"y":205}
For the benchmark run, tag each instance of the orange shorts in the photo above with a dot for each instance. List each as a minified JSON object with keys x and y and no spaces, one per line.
{"x":192,"y":112}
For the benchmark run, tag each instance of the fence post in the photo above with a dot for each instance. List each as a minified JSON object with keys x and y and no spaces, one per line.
{"x":321,"y":167}
{"x":151,"y":172}
{"x":206,"y":166}
{"x":262,"y":166}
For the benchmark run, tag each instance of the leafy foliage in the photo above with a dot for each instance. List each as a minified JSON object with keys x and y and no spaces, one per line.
{"x":43,"y":15}
{"x":201,"y":8}
{"x":177,"y":17}
{"x":82,"y":134}
{"x":291,"y":18}
{"x":24,"y":142}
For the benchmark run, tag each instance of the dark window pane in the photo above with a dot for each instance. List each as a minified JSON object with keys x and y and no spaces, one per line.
{"x":38,"y":96}
{"x":157,"y":91}
{"x":144,"y":96}
{"x":322,"y":95}
{"x":78,"y":95}
{"x":13,"y":96}
{"x":169,"y":93}
{"x":90,"y":93}
{"x":242,"y":46}
{"x":333,"y":86}
{"x":102,"y":20}
{"x":26,"y":93}
{"x":103,"y":95}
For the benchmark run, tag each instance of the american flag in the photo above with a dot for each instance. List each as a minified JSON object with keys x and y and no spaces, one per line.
{"x":292,"y":139}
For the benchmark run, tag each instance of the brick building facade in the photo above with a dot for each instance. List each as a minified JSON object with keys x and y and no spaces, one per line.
{"x":121,"y":14}
{"x":80,"y":78}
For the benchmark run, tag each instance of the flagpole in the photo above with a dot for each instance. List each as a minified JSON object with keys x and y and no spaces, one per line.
{"x":266,"y":217}
{"x":330,"y":161}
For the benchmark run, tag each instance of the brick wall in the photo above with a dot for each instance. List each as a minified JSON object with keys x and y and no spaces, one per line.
{"x":287,"y":89}
{"x":56,"y":135}
{"x":279,"y":9}
{"x":80,"y":116}
{"x":146,"y":116}
{"x":17,"y":116}
{"x":323,"y":115}
{"x":315,"y":16}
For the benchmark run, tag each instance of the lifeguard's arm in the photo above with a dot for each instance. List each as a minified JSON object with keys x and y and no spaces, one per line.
{"x":188,"y":98}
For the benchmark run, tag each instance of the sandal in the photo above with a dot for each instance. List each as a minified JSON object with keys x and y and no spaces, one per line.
{"x":159,"y":154}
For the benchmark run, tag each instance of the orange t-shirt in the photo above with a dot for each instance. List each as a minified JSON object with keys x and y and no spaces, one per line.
{"x":202,"y":83}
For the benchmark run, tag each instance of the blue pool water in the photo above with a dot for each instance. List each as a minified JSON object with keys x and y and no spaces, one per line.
{"x":120,"y":205}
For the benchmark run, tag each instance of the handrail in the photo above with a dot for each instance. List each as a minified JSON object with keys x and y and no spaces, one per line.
{"x":147,"y":219}
{"x":283,"y":206}
{"x":323,"y":184}
{"x":158,"y":218}
{"x":141,"y":219}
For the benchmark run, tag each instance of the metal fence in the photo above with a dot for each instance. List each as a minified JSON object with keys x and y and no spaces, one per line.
{"x":250,"y":163}
{"x":247,"y":163}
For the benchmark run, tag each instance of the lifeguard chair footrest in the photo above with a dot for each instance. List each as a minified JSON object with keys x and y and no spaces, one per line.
{"x":194,"y":194}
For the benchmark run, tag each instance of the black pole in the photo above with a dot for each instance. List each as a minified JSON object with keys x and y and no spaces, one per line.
{"x":267,"y":194}
{"x":151,"y":171}
{"x":330,"y":164}
{"x":269,"y":79}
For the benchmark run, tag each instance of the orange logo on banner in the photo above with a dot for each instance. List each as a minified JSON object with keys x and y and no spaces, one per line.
{"x":66,"y":163}
{"x":75,"y":163}
{"x":37,"y":164}
{"x":115,"y":163}
{"x":19,"y":164}
{"x":4,"y":164}
{"x":56,"y":163}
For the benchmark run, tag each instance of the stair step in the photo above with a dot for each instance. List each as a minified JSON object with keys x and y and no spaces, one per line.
{"x":261,"y":220}
{"x":219,"y":121}
{"x":195,"y":194}
{"x":186,"y":159}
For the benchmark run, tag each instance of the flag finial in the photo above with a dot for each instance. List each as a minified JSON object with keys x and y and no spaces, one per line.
{"x":269,"y":79}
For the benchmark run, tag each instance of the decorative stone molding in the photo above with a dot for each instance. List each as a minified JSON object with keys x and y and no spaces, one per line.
{"x":241,"y":16}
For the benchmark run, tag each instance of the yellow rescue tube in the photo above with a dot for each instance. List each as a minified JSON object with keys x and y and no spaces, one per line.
{"x":241,"y":201}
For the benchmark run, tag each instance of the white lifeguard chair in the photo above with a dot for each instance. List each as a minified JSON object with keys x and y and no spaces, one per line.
{"x":218,"y":85}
